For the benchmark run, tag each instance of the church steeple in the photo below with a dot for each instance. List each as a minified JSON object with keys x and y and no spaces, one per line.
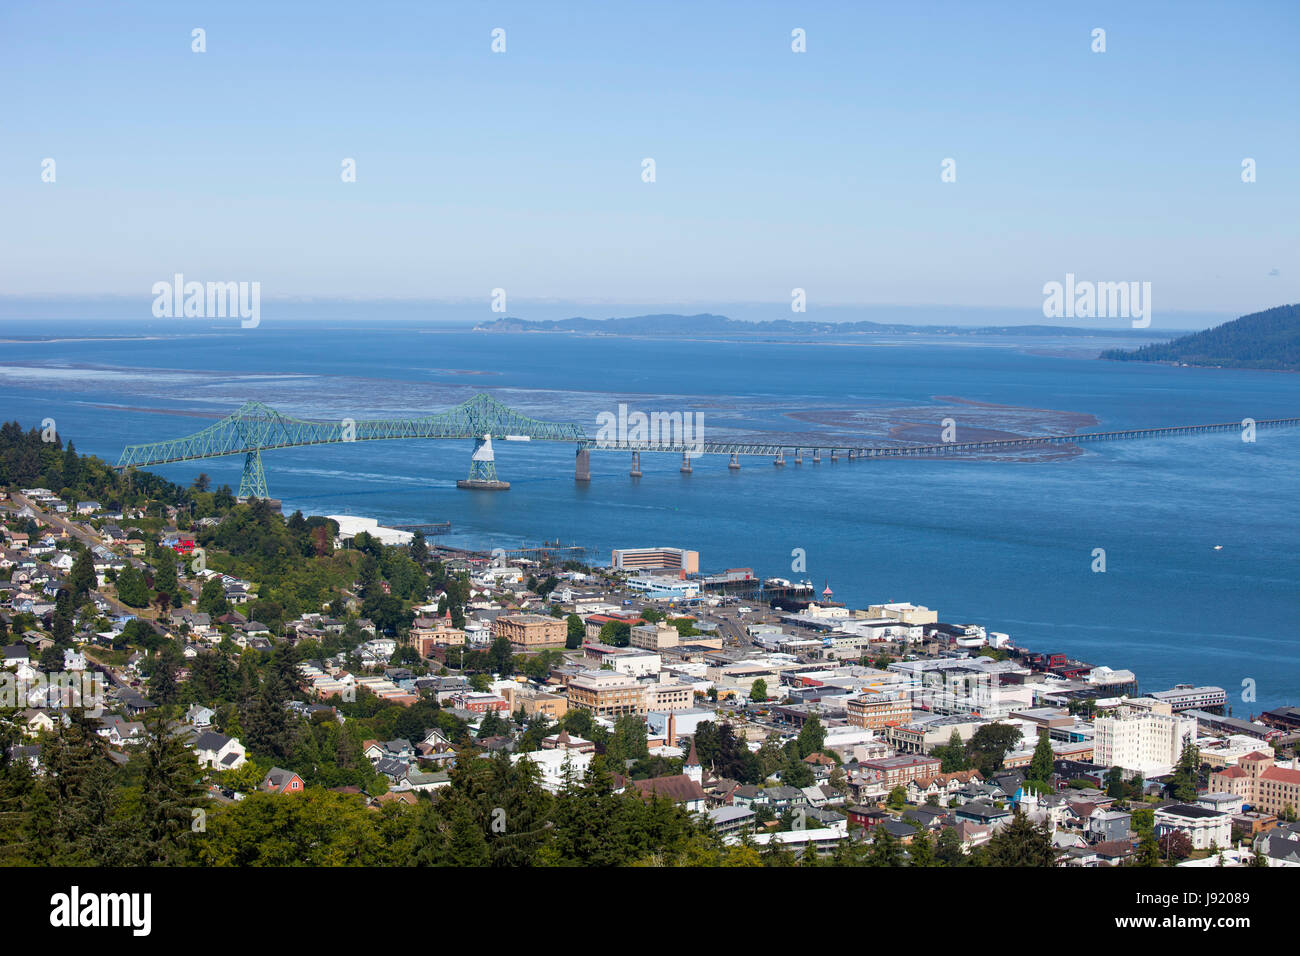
{"x":692,"y":767}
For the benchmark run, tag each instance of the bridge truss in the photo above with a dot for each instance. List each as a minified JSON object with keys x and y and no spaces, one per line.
{"x":256,"y":428}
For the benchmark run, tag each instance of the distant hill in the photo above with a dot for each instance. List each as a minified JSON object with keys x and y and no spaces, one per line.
{"x":1264,"y":340}
{"x":708,"y":324}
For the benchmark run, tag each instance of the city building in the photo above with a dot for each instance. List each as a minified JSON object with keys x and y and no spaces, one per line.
{"x":1186,"y":697}
{"x":1262,"y":784}
{"x":902,"y":770}
{"x":878,"y":711}
{"x":1149,"y":743}
{"x":1204,"y":827}
{"x":531,"y":631}
{"x":606,"y":694}
{"x":626,"y":660}
{"x":645,"y":559}
{"x":655,"y":637}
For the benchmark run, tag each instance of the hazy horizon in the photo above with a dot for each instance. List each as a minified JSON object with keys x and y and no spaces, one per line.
{"x":129,"y":308}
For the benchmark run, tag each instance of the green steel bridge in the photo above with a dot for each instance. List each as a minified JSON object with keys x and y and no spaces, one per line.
{"x":255,"y":428}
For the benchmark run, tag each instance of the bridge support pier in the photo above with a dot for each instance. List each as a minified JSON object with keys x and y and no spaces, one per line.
{"x":834,"y":456}
{"x":734,"y":464}
{"x":817,"y":456}
{"x":798,"y":456}
{"x":686,"y":463}
{"x":636,"y":465}
{"x":779,"y":460}
{"x":483,"y":468}
{"x":582,"y":464}
{"x":252,"y":483}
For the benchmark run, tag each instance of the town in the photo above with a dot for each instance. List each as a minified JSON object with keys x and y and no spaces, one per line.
{"x":179,"y":663}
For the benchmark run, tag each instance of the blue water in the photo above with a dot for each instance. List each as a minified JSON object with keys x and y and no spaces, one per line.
{"x":1004,"y":544}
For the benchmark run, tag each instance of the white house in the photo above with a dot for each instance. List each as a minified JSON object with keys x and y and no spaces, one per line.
{"x":219,"y":751}
{"x":1205,"y":827}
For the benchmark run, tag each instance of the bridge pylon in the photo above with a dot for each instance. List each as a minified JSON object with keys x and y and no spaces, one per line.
{"x":252,"y":483}
{"x":483,"y":468}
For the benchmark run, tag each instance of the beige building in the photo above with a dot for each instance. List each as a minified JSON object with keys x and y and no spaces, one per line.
{"x":428,"y":633}
{"x":878,"y":711}
{"x":669,"y":697}
{"x":655,"y":637}
{"x":1260,"y":783}
{"x":606,"y":694}
{"x":907,"y":613}
{"x":638,"y":559}
{"x":531,"y":631}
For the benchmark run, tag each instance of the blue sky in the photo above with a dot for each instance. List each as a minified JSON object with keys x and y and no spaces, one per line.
{"x":775,"y":170}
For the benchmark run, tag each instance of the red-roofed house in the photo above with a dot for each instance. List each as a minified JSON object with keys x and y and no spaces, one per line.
{"x":1260,"y":783}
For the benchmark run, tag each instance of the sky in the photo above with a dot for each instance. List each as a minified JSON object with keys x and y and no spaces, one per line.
{"x":774,"y":170}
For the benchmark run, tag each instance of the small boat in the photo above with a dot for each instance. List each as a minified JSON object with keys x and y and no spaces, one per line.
{"x":1218,"y":547}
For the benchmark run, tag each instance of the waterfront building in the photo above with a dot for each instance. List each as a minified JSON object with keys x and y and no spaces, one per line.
{"x":644,"y":559}
{"x":1186,"y":697}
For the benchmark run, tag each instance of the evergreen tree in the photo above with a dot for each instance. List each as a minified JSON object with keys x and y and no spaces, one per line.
{"x":1187,"y":773}
{"x":131,"y":587}
{"x":164,"y":573}
{"x":947,"y":849}
{"x":920,"y":852}
{"x":82,"y":578}
{"x":1022,"y":843}
{"x":1040,"y":766}
{"x":885,"y":848}
{"x":72,"y":809}
{"x":169,"y":795}
{"x":577,"y":633}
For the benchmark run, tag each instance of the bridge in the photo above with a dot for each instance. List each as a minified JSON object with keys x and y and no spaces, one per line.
{"x":255,"y":428}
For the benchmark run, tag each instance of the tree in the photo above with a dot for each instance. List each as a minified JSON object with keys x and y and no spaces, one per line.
{"x":885,"y":848}
{"x":501,"y":656}
{"x":212,"y":599}
{"x":164,"y":571}
{"x":989,"y":746}
{"x":1022,"y":843}
{"x":419,"y":549}
{"x":1185,"y":783}
{"x":82,"y":577}
{"x":577,"y":632}
{"x":812,"y":736}
{"x":169,"y":795}
{"x":1040,"y":766}
{"x":952,"y":756}
{"x":1175,"y":845}
{"x":202,"y":482}
{"x":758,"y":691}
{"x":131,"y":587}
{"x":947,"y":849}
